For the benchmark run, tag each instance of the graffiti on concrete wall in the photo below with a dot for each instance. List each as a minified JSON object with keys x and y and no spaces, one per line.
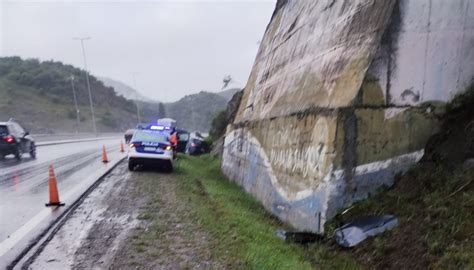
{"x":289,"y":157}
{"x":296,"y":152}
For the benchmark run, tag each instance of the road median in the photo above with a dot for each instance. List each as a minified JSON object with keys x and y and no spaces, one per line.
{"x":47,"y":143}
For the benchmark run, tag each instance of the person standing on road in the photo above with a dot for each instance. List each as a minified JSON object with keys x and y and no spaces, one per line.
{"x":174,"y":141}
{"x":174,"y":138}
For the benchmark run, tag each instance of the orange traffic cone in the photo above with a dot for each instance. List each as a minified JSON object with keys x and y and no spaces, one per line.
{"x":104,"y":155}
{"x":121,"y":147}
{"x":53,"y":189}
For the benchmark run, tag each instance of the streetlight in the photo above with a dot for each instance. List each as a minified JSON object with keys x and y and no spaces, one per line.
{"x":75,"y":105}
{"x":81,"y":39}
{"x":136,"y":96}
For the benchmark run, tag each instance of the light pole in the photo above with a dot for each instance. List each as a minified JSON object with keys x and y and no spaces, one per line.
{"x":75,"y":105}
{"x":81,"y":39}
{"x":136,"y":96}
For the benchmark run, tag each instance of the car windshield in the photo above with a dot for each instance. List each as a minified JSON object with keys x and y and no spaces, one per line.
{"x":183,"y":137}
{"x":148,"y":136}
{"x":3,"y":130}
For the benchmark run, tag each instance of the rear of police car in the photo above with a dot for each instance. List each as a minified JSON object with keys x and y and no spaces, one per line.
{"x":151,"y":147}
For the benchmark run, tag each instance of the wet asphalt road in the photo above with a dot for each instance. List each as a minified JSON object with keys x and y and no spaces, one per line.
{"x":24,"y":188}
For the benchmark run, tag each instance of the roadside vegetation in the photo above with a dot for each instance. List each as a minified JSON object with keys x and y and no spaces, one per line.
{"x":435,"y":210}
{"x":218,"y":126}
{"x":242,"y":231}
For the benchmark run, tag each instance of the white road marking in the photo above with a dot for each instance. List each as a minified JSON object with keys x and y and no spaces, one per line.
{"x":16,"y":236}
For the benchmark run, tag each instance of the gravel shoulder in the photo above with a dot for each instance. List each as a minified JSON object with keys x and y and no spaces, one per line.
{"x":132,"y":220}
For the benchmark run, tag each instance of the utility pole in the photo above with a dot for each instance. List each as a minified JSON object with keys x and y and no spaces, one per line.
{"x":136,"y":96}
{"x":75,"y":105}
{"x":81,"y":39}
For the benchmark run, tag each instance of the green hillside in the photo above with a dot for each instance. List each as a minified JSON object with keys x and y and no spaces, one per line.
{"x":195,"y":112}
{"x":39,"y":95}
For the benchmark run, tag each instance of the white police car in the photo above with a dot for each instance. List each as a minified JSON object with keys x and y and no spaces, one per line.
{"x":151,"y":147}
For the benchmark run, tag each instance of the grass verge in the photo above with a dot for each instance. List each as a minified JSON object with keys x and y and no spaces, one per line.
{"x":435,"y":209}
{"x":243,"y":232}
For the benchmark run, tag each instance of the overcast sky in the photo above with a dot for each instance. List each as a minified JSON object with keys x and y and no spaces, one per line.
{"x":178,"y":47}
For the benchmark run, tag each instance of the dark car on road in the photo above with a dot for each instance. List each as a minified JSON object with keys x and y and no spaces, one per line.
{"x":183,"y":138}
{"x":196,"y":144}
{"x":14,"y":140}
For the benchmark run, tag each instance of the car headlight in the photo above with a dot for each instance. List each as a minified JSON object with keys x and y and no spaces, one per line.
{"x":169,"y":148}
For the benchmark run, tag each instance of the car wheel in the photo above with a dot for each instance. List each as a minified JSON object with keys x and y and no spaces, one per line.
{"x":131,"y":166}
{"x":18,"y":153}
{"x":169,"y":167}
{"x":33,"y":151}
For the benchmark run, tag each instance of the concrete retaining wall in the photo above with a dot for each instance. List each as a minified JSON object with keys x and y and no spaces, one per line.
{"x":335,"y":104}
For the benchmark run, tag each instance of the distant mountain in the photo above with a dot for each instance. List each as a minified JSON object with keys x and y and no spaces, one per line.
{"x":192,"y":112}
{"x":123,"y":89}
{"x":195,"y":112}
{"x":228,"y":93}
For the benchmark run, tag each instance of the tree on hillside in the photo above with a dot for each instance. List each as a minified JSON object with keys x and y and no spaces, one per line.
{"x":218,"y":125}
{"x":226,"y":80}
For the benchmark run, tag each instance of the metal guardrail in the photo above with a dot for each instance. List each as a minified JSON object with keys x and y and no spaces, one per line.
{"x":40,"y":138}
{"x":38,"y":135}
{"x":46,"y":143}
